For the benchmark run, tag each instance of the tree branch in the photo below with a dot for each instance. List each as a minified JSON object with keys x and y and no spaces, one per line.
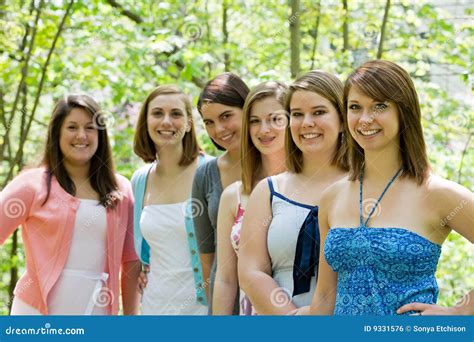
{"x":316,"y":31}
{"x":132,"y":16}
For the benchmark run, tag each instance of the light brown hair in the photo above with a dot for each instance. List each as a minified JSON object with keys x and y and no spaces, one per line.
{"x":331,"y":88}
{"x":386,"y":81}
{"x":144,"y":147}
{"x":251,"y":157}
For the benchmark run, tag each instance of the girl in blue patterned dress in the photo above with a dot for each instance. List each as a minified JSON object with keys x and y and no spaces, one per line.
{"x":383,"y":252}
{"x":277,"y":264}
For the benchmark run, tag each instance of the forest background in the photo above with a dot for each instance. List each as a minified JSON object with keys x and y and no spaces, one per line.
{"x":118,"y":51}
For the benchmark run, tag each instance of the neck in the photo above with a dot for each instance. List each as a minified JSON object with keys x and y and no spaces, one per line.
{"x":319,"y":164}
{"x":273,"y":164}
{"x":77,"y":173}
{"x":168,"y":158}
{"x":382,"y":164}
{"x":233,"y":156}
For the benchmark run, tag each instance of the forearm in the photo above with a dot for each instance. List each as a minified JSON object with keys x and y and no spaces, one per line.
{"x":223,"y":296}
{"x":130,"y":294}
{"x":265,"y":294}
{"x":323,"y":303}
{"x":207,"y":259}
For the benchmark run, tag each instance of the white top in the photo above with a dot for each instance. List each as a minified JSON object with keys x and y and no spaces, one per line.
{"x":287,"y":218}
{"x":170,"y":289}
{"x":78,"y":290}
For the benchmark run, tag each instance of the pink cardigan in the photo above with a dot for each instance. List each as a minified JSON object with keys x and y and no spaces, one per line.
{"x":47,"y":233}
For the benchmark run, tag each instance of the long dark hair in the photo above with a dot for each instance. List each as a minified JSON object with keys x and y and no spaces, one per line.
{"x":101,"y":171}
{"x":227,"y":89}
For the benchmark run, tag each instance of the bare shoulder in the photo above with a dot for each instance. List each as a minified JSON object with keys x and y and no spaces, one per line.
{"x":230,"y":194}
{"x":337,"y":188}
{"x":441,"y":189}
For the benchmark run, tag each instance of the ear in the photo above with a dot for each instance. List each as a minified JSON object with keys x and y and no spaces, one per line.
{"x":189,"y":125}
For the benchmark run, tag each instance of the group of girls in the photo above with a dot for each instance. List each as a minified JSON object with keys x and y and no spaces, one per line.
{"x":322,"y":202}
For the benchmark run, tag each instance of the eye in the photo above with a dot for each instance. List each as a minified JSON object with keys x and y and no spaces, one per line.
{"x":380,"y":107}
{"x":177,"y":113}
{"x":208,"y":123}
{"x":296,"y":114}
{"x":319,"y":112}
{"x":90,"y":127}
{"x":226,"y":116}
{"x":70,"y":127}
{"x":354,"y":107}
{"x":157,"y":113}
{"x":254,"y":121}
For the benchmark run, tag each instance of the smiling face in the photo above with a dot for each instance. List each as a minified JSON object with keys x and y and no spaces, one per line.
{"x":267,"y":125}
{"x":78,"y":138}
{"x":167,"y":120}
{"x":373,"y":124}
{"x":223,"y":124}
{"x":314,"y":122}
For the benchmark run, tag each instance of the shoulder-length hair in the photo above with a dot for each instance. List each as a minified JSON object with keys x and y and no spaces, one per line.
{"x":331,"y":88}
{"x":144,"y":147}
{"x":101,"y":171}
{"x":227,"y":89}
{"x":387,"y":81}
{"x":251,"y":157}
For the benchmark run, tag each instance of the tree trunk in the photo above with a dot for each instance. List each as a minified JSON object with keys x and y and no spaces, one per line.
{"x":316,"y":31}
{"x":382,"y":30}
{"x":345,"y":27}
{"x":295,"y":38}
{"x":225,"y":34}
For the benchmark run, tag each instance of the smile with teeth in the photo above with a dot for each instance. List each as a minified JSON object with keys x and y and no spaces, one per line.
{"x":310,"y":135}
{"x":79,"y":145}
{"x":368,"y":132}
{"x":167,"y":133}
{"x":266,"y":140}
{"x":226,"y":137}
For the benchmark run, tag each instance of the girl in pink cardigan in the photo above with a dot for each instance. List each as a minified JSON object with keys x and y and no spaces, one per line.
{"x":77,"y":221}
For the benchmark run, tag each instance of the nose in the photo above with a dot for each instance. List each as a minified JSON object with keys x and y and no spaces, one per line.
{"x":308,"y":120}
{"x":81,"y":133}
{"x":220,"y":128}
{"x":367,"y":116}
{"x":166,"y":119}
{"x":266,"y":126}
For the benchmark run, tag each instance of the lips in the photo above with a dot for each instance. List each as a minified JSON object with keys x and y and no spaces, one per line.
{"x":368,"y":132}
{"x":266,"y":140}
{"x":226,"y":137}
{"x":167,"y":133}
{"x":309,"y":136}
{"x":79,"y":146}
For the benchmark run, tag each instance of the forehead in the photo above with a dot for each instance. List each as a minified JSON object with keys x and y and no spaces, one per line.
{"x":167,"y":101}
{"x":212,"y":110}
{"x":265,"y":107}
{"x":78,"y":115}
{"x":308,"y":99}
{"x":356,"y":94}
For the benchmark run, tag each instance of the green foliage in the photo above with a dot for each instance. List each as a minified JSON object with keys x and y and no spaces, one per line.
{"x":118,"y":61}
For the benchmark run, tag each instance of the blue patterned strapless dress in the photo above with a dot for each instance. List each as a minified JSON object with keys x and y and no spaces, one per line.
{"x":381,"y":269}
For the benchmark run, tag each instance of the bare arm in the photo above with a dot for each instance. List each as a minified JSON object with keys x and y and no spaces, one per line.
{"x":324,"y":298}
{"x":130,"y":294}
{"x":455,"y":204}
{"x":226,"y":283}
{"x":254,"y":263}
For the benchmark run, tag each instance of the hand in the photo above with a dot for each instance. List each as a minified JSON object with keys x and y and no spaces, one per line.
{"x":303,"y":311}
{"x":427,"y":309}
{"x":143,"y":278}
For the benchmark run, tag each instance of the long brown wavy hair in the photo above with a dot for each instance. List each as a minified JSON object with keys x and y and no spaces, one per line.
{"x":101,"y":171}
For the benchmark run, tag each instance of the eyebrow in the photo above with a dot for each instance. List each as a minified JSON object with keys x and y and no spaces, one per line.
{"x":159,"y":108}
{"x":315,"y":107}
{"x":225,"y":112}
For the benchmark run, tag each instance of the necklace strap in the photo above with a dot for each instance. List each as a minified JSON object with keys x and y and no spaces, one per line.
{"x":361,"y":218}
